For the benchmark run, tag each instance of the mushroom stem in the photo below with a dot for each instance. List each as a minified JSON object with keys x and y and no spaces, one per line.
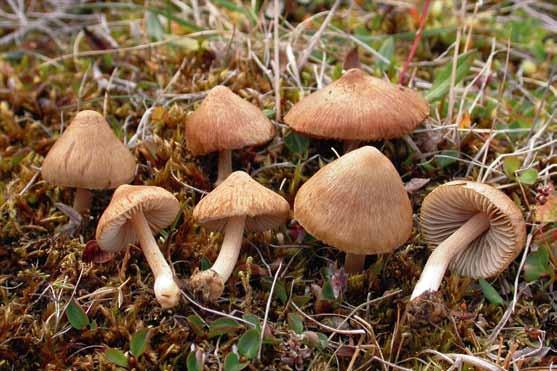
{"x":439,"y":260}
{"x":230,"y":249}
{"x":210,"y":283}
{"x":225,"y":165}
{"x":354,"y":263}
{"x":350,"y":145}
{"x":82,"y":200}
{"x":166,"y":290}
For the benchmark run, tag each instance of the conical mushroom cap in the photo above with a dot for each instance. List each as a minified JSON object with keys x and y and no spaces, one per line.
{"x":240,"y":195}
{"x":88,"y":155}
{"x":357,"y":204}
{"x":449,"y":206}
{"x":224,"y":121}
{"x":358,"y":107}
{"x":115,"y":231}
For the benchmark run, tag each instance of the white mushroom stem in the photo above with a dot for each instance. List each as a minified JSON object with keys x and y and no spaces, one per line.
{"x":230,"y":249}
{"x":439,"y":260}
{"x":354,"y":263}
{"x":166,"y":290}
{"x":225,"y":165}
{"x":82,"y":200}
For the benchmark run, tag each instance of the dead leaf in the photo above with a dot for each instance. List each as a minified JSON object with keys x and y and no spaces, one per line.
{"x":415,"y":184}
{"x":352,"y":59}
{"x":92,"y":253}
{"x":547,"y":213}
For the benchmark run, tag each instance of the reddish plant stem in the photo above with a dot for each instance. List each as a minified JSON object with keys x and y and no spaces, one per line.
{"x":403,"y":78}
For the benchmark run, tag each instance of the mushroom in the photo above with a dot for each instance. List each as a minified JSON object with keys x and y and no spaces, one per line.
{"x":238,"y":203}
{"x":88,"y":156}
{"x":134,"y":214}
{"x":224,"y":122}
{"x":357,"y":204}
{"x":475,"y":230}
{"x":358,"y":107}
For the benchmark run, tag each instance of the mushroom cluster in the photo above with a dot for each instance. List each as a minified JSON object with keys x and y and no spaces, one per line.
{"x":356,"y":203}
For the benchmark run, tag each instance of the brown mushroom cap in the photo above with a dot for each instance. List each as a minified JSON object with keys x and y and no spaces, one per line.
{"x":115,"y":232}
{"x":449,"y":206}
{"x":358,"y":107}
{"x":240,"y":195}
{"x":224,"y":121}
{"x":88,"y":155}
{"x":357,"y":204}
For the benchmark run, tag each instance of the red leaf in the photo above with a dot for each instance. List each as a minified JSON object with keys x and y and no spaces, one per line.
{"x":94,"y":254}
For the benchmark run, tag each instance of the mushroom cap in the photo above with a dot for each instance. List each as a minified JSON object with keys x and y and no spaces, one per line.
{"x":115,"y":231}
{"x":356,"y":203}
{"x":88,"y":155}
{"x":450,"y":205}
{"x":224,"y":121}
{"x":358,"y":107}
{"x":240,"y":195}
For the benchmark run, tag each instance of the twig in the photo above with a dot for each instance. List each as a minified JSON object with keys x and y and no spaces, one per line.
{"x":425,"y":10}
{"x":218,"y":313}
{"x":331,"y":329}
{"x":315,"y":38}
{"x":267,"y":308}
{"x":511,"y":307}
{"x":276,"y":62}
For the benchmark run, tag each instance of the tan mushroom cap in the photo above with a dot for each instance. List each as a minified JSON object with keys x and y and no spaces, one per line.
{"x":115,"y":232}
{"x":450,"y":205}
{"x":357,"y":204}
{"x":240,"y":195}
{"x":224,"y":121}
{"x":88,"y":155}
{"x":358,"y":107}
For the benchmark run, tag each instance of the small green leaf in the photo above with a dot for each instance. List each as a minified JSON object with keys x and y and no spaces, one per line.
{"x":196,"y":324}
{"x":223,"y":326}
{"x":238,"y":9}
{"x":336,"y":73}
{"x":280,"y":292}
{"x":295,"y":323}
{"x":442,"y":82}
{"x":232,"y":363}
{"x":77,"y":316}
{"x":155,"y":31}
{"x":537,"y":265}
{"x":301,"y":300}
{"x":93,"y":325}
{"x":528,"y":176}
{"x":387,"y":50}
{"x":249,"y":344}
{"x":327,"y":291}
{"x":117,"y":357}
{"x":447,"y":158}
{"x":490,"y":293}
{"x":204,"y":263}
{"x":511,"y":166}
{"x":139,"y":342}
{"x":323,"y":340}
{"x":251,"y":318}
{"x":296,"y":143}
{"x":192,"y":363}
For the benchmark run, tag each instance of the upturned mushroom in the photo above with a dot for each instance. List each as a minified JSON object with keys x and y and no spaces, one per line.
{"x":358,"y":107}
{"x":357,"y":204}
{"x":134,"y":214}
{"x":474,"y":229}
{"x":225,"y":122}
{"x":238,"y":203}
{"x":88,"y":156}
